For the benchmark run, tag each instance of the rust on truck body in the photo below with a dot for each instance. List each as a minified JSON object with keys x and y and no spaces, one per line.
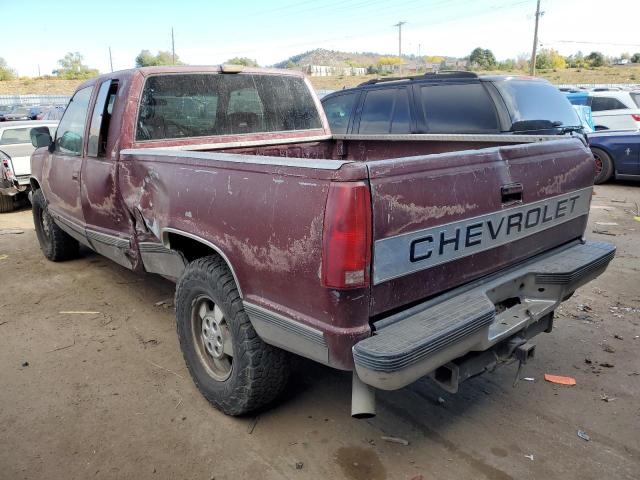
{"x":260,"y":198}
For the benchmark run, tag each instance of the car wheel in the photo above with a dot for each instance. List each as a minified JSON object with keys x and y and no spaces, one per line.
{"x":55,"y":243}
{"x":230,"y":364}
{"x":6,"y":203}
{"x":604,"y":165}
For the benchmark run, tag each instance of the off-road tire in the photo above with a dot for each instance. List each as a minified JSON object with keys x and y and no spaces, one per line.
{"x":259,"y":371}
{"x":56,"y":244}
{"x":606,"y":163}
{"x":6,"y":203}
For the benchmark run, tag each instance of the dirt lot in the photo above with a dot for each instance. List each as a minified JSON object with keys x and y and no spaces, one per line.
{"x":107,"y":395}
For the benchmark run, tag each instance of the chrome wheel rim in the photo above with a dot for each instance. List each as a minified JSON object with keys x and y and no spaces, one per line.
{"x":212,"y":338}
{"x":45,"y":219}
{"x":598,"y":164}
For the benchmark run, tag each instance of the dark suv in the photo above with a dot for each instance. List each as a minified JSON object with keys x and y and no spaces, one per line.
{"x":451,"y":103}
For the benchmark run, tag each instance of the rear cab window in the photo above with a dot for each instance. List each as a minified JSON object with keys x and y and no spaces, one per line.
{"x":177,"y":106}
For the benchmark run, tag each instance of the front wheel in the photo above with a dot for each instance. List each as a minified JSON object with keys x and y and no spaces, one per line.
{"x":55,"y":243}
{"x":229,"y":363}
{"x":604,"y":165}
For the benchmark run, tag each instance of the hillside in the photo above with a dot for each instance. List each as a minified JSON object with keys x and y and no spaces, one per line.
{"x":606,"y":75}
{"x":332,"y":58}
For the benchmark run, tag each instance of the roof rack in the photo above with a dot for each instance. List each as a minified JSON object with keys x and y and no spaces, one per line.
{"x":426,"y":76}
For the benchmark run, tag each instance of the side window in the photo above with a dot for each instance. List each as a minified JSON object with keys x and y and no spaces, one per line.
{"x":13,"y":136}
{"x":101,"y":118}
{"x":458,"y":108}
{"x":377,"y":111}
{"x":71,"y":128}
{"x":338,"y":110}
{"x":599,"y":104}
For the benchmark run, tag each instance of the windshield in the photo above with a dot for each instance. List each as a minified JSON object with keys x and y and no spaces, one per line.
{"x":636,"y":98}
{"x":529,"y":100}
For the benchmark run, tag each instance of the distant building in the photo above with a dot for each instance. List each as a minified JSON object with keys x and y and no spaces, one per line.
{"x":327,"y":71}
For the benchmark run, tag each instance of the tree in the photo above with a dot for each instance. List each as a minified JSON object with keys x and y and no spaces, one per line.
{"x":146,"y":59}
{"x":72,"y":68}
{"x":635,"y":58}
{"x":596,"y":59}
{"x":389,"y":61}
{"x":549,"y":58}
{"x":482,"y":58}
{"x":247,"y":62}
{"x":6,"y":73}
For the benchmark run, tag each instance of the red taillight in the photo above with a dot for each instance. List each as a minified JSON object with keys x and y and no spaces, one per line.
{"x":636,"y":117}
{"x":346,"y":242}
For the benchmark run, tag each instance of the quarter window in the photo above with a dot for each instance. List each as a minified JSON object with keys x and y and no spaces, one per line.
{"x":101,"y":119}
{"x":458,"y":108}
{"x":72,"y":125}
{"x":338,"y":110}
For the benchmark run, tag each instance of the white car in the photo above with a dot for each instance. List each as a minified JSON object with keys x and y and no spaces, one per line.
{"x":15,"y":158}
{"x":615,"y":110}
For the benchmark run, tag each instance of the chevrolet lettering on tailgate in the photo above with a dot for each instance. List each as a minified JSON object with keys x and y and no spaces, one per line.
{"x":411,"y":252}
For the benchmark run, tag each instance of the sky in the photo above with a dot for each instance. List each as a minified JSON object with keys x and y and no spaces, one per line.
{"x":211,"y":32}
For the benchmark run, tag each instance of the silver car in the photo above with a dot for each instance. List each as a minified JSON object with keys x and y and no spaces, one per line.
{"x":15,"y":158}
{"x":615,"y":110}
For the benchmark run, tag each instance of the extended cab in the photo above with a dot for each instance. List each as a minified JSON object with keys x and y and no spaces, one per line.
{"x":388,"y":256}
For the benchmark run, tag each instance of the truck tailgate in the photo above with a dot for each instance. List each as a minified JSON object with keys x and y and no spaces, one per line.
{"x":440,"y":221}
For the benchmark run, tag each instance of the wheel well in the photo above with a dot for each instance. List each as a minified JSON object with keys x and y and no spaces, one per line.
{"x":191,"y":249}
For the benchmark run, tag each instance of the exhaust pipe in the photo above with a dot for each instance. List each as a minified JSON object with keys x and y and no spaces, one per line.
{"x":363,"y":398}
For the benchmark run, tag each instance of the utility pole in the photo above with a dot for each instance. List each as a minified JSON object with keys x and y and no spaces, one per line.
{"x":38,"y":69}
{"x":173,"y":48}
{"x":399,"y":25}
{"x":532,"y":67}
{"x":419,"y":50}
{"x":110,"y":59}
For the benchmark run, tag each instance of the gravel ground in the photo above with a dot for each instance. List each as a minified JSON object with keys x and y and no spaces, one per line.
{"x":106,"y":394}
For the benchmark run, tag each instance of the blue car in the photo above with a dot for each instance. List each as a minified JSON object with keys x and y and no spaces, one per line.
{"x":617,"y":155}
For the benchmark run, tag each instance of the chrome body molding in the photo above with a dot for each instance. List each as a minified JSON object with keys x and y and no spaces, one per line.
{"x":411,"y":252}
{"x":164,"y":235}
{"x":73,"y":228}
{"x":111,"y":246}
{"x":288,"y":334}
{"x":454,"y":137}
{"x":320,"y":164}
{"x":246,"y":143}
{"x":159,"y":259}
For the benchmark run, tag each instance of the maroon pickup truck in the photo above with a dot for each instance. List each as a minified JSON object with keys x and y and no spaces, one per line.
{"x":391,"y":256}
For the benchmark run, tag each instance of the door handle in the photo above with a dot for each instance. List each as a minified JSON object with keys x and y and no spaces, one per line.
{"x":74,"y":175}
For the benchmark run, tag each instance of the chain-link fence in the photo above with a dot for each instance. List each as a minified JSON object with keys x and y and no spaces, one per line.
{"x":34,"y":99}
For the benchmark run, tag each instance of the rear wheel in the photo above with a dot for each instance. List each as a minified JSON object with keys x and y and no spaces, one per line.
{"x":55,"y":243}
{"x":229,"y":363}
{"x":604,"y":165}
{"x":6,"y":203}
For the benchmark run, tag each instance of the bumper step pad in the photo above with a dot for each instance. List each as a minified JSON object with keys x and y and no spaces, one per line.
{"x":423,"y":335}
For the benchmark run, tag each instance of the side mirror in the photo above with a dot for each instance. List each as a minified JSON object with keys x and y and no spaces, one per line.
{"x":40,"y":137}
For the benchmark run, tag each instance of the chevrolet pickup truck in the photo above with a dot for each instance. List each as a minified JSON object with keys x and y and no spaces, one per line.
{"x":393,"y":257}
